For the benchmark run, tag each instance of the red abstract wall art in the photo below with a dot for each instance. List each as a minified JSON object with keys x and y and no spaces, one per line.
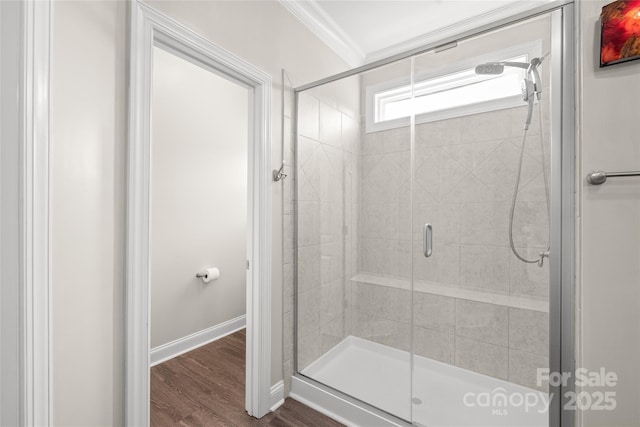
{"x":620,"y":41}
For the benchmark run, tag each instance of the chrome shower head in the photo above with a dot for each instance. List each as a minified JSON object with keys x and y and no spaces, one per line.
{"x":531,"y":85}
{"x":490,"y":68}
{"x":498,"y":67}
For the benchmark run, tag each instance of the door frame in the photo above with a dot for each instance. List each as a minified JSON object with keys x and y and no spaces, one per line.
{"x":150,"y":28}
{"x":25,"y":336}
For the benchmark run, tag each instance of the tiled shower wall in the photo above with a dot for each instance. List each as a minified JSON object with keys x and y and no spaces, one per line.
{"x":326,"y":174}
{"x":464,"y":177}
{"x":465,"y":171}
{"x":503,"y":342}
{"x":288,"y":237}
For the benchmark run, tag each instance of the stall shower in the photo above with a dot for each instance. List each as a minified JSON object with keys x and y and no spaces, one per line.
{"x":422,"y":230}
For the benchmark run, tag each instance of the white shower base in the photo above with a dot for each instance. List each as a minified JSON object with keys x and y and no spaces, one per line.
{"x":381,"y":375}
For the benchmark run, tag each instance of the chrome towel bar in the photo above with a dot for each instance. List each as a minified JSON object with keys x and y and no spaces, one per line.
{"x":600,"y":177}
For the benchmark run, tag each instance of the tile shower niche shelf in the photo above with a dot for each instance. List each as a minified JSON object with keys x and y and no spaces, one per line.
{"x":454,"y":292}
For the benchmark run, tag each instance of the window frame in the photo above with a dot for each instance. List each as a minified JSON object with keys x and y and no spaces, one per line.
{"x":372,"y":102}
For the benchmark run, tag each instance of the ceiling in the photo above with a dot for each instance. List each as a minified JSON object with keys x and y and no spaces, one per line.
{"x":362,"y":31}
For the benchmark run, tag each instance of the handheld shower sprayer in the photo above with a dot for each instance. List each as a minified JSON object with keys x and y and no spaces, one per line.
{"x":531,"y":89}
{"x":531,"y":85}
{"x":533,"y":71}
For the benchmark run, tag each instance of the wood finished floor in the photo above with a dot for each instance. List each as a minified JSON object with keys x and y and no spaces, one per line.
{"x":205,"y":387}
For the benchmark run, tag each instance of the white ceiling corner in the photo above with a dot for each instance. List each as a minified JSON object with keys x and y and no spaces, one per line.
{"x":506,"y":10}
{"x":364,"y":31}
{"x":325,"y":28}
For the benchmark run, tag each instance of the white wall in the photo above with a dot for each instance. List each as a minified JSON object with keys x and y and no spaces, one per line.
{"x":198,"y":197}
{"x":88,"y":119}
{"x":89,"y":110}
{"x":609,"y":310}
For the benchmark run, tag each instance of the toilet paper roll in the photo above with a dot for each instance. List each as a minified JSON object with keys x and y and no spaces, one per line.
{"x":212,"y":274}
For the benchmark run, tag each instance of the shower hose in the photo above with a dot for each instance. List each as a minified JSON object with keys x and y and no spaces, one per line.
{"x":544,"y":254}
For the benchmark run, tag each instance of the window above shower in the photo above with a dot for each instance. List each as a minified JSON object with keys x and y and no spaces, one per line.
{"x":452,"y":91}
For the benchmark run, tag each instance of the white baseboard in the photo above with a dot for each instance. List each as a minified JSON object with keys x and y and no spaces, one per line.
{"x":190,"y":342}
{"x":276,"y":395}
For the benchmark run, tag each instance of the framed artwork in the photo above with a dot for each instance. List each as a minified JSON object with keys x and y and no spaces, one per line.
{"x":620,"y":37}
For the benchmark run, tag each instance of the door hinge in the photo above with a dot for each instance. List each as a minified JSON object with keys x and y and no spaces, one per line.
{"x":247,"y":264}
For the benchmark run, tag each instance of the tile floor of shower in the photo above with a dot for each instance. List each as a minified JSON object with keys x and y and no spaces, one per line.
{"x":474,"y":316}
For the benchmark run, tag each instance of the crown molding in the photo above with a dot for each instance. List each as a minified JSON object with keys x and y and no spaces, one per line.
{"x":326,"y":29}
{"x":454,"y":29}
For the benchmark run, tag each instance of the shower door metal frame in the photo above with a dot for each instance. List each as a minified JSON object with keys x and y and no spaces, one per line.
{"x":562,"y":257}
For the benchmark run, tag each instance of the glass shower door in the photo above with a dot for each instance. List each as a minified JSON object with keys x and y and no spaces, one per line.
{"x":353,"y":248}
{"x":380,"y":305}
{"x":481,"y":314}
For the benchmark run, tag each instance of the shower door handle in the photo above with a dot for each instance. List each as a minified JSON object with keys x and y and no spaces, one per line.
{"x":427,"y":236}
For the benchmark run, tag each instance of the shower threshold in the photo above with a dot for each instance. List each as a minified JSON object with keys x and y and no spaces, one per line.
{"x":443,"y":395}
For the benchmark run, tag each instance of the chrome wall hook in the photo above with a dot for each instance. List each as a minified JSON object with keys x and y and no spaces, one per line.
{"x":278,"y":174}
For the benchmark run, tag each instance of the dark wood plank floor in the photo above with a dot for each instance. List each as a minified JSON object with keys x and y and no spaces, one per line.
{"x":205,"y":387}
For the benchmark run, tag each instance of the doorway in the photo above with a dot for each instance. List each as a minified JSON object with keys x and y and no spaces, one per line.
{"x":198,"y":222}
{"x":199,"y":128}
{"x":153,"y":32}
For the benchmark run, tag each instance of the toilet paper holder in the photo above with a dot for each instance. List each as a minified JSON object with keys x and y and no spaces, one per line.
{"x":208,"y":274}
